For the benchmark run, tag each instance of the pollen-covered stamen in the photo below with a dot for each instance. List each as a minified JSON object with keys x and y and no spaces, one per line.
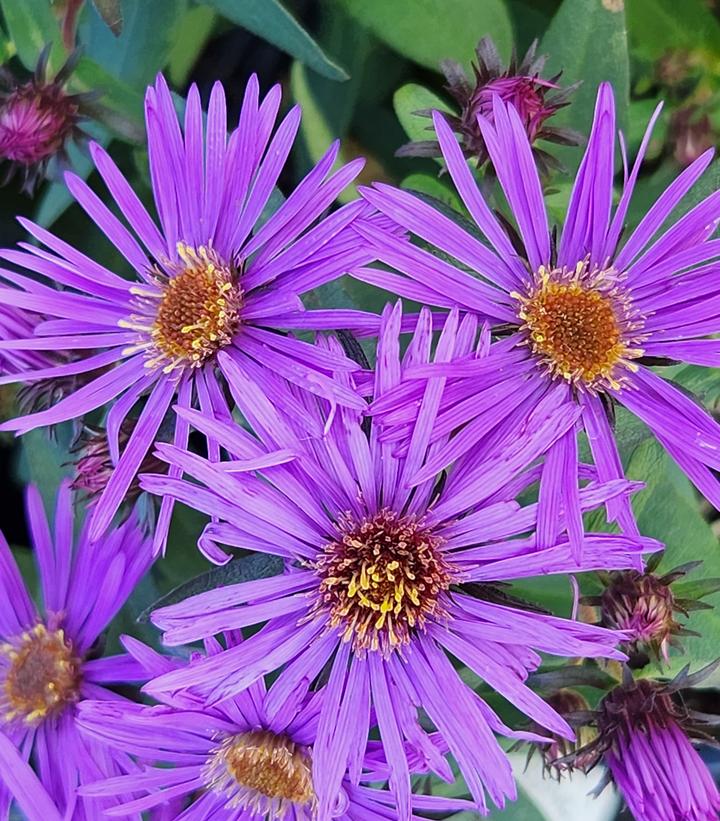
{"x":42,"y":677}
{"x":195,"y":311}
{"x":263,"y":773}
{"x":382,"y":578}
{"x":581,"y":325}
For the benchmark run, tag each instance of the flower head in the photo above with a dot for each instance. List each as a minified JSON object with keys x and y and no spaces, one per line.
{"x":644,"y":604}
{"x":643,"y":736}
{"x":535,"y":99}
{"x":236,"y":759}
{"x":209,"y":284}
{"x":49,"y":657}
{"x":377,"y":571}
{"x":37,"y":120}
{"x":581,"y":318}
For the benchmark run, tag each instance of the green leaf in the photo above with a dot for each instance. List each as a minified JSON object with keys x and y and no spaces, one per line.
{"x":120,"y":108}
{"x":708,"y":184}
{"x":587,"y":41}
{"x":143,"y":48}
{"x":434,"y":187}
{"x":191,"y":35}
{"x":411,"y":98}
{"x":111,"y":13}
{"x":274,"y":23}
{"x":667,"y":509}
{"x":31,"y":25}
{"x":45,"y":460}
{"x":242,"y":569}
{"x":655,"y":26}
{"x":56,"y":197}
{"x":433,"y":30}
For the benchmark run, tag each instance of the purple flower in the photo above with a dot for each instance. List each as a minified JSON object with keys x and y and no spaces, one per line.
{"x":236,"y":759}
{"x":650,"y":757}
{"x":201,"y":283}
{"x":374,"y":566}
{"x":581,"y":321}
{"x":48,"y":657}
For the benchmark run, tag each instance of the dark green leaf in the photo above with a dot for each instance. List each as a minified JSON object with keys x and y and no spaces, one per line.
{"x":242,"y":569}
{"x":31,"y":25}
{"x":44,"y":460}
{"x":433,"y":187}
{"x":120,"y":107}
{"x":143,"y":48}
{"x":111,"y":13}
{"x":433,"y":30}
{"x":274,"y":23}
{"x":587,"y":41}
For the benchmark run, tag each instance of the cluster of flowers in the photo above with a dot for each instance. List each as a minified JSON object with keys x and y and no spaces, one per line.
{"x":385,"y":507}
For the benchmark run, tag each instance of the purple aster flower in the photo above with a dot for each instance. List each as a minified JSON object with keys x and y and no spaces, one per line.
{"x":201,"y":283}
{"x":374,"y":566}
{"x":581,"y":321}
{"x":234,"y":760}
{"x":48,"y":656}
{"x":644,"y":740}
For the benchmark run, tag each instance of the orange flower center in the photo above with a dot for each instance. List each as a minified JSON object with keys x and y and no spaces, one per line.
{"x":43,"y":677}
{"x":263,"y":773}
{"x":382,"y":578}
{"x":579,"y":327}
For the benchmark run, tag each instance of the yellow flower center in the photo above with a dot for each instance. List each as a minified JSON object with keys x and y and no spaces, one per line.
{"x":262,"y":773}
{"x":580,"y":326}
{"x":382,"y":578}
{"x":198,"y":313}
{"x":43,"y":676}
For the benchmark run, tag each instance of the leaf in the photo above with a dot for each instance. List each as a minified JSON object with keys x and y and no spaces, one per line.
{"x":45,"y":460}
{"x":31,"y":25}
{"x":433,"y":187}
{"x":271,"y":21}
{"x":667,"y":509}
{"x":56,"y":196}
{"x":429,"y":31}
{"x":120,"y":107}
{"x":241,"y":569}
{"x":708,"y":184}
{"x":411,"y":98}
{"x":655,"y":26}
{"x":111,"y":13}
{"x":143,"y":48}
{"x":587,"y":41}
{"x":191,"y":35}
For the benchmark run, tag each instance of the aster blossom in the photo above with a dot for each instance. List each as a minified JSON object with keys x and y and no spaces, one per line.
{"x":233,"y":760}
{"x":373,"y":568}
{"x":48,"y":656}
{"x":644,"y":739}
{"x":582,"y":318}
{"x":201,"y":282}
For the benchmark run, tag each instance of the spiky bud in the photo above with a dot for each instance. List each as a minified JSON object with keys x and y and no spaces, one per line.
{"x":535,"y":99}
{"x":37,"y":120}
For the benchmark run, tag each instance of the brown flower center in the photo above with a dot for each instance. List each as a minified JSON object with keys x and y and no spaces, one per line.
{"x":43,"y":677}
{"x":262,"y":772}
{"x":382,"y":578}
{"x":579,"y":325}
{"x":198,"y":312}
